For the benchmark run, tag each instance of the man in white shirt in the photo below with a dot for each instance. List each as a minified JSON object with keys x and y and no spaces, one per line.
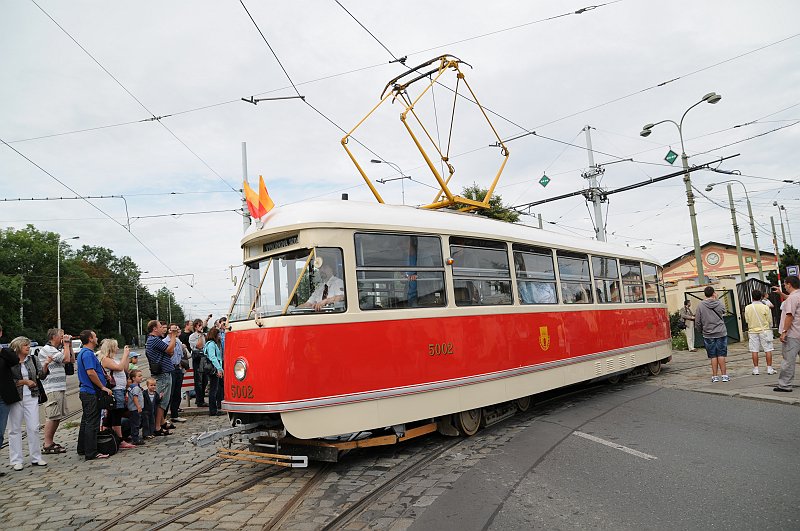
{"x":759,"y":330}
{"x":329,"y":291}
{"x":52,"y":357}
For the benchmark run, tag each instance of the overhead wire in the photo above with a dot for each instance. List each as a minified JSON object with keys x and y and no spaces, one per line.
{"x":294,"y":86}
{"x":153,"y":116}
{"x":107,"y":215}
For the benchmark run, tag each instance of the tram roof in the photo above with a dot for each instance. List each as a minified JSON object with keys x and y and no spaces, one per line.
{"x":377,"y":216}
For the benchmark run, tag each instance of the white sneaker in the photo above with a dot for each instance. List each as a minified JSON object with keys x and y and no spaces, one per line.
{"x":178,"y":419}
{"x":714,"y":379}
{"x":770,"y":370}
{"x":755,"y":371}
{"x":18,"y":466}
{"x":725,"y":378}
{"x":40,"y":462}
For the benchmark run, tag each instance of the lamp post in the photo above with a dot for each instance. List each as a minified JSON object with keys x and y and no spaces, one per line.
{"x":138,"y":320}
{"x":711,"y":97}
{"x":402,"y":177}
{"x":736,"y":226}
{"x":58,"y":278}
{"x":780,"y":217}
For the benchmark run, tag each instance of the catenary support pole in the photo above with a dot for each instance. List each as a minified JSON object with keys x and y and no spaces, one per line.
{"x":245,"y":211}
{"x":594,"y":194}
{"x":742,"y":274}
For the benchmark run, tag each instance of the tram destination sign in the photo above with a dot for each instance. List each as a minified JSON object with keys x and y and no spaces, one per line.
{"x":279,"y":244}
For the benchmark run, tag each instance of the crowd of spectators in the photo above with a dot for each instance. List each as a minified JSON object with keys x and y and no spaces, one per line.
{"x":116,"y":400}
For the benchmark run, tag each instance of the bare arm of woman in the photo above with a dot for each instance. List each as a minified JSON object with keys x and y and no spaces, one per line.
{"x":121,"y":365}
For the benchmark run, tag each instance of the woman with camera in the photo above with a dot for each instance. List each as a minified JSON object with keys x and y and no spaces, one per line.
{"x":107,"y":356}
{"x":26,"y":376}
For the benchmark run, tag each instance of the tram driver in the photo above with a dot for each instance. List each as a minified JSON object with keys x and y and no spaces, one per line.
{"x":329,"y":291}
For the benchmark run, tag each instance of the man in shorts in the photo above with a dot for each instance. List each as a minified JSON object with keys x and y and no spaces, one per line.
{"x":790,"y":334}
{"x":759,"y":330}
{"x":52,"y":358}
{"x":715,"y":337}
{"x":159,"y":354}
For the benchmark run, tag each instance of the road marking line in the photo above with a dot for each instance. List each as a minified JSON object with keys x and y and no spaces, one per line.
{"x":616,"y":446}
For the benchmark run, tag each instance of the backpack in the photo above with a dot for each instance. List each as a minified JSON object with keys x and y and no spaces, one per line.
{"x":107,"y":442}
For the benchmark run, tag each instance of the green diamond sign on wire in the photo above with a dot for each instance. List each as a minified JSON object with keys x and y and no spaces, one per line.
{"x":544,"y":181}
{"x":671,"y":156}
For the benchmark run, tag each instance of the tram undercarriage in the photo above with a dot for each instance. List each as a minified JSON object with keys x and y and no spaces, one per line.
{"x":268,"y":441}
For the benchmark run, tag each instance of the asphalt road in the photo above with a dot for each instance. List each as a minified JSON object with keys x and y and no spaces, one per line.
{"x":688,"y":461}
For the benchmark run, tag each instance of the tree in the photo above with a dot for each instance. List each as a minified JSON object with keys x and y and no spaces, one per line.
{"x":496,"y":208}
{"x":98,"y":289}
{"x":790,"y":256}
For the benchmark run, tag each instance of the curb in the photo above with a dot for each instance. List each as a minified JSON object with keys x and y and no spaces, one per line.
{"x":751,"y":396}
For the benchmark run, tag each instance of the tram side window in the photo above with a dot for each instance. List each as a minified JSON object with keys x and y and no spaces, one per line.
{"x":536,"y":276}
{"x":606,"y":279}
{"x":399,"y":271}
{"x":481,"y":273}
{"x":661,"y":289}
{"x":576,"y":284}
{"x":632,"y":281}
{"x":652,"y":284}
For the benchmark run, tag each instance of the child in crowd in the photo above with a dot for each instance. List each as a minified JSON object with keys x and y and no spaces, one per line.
{"x":150,"y":403}
{"x":135,"y":405}
{"x":134,"y":363}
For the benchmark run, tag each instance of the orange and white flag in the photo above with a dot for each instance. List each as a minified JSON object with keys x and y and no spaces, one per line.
{"x":258,"y":203}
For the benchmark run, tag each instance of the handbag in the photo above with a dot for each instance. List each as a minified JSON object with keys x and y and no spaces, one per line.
{"x":682,"y":324}
{"x":69,"y":368}
{"x":105,"y":401}
{"x":110,"y":382}
{"x":39,"y":385}
{"x":206,"y":367}
{"x":42,"y":394}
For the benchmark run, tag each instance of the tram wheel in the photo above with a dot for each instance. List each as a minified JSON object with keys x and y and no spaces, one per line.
{"x":654,"y":368}
{"x":615,"y":379}
{"x":523,"y":403}
{"x":468,"y":422}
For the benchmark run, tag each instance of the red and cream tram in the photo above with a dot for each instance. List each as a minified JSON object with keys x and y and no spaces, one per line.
{"x":358,"y":316}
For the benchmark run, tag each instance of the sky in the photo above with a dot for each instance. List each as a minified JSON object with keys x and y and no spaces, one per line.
{"x":84,"y":80}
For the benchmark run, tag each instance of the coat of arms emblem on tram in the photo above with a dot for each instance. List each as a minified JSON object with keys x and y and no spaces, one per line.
{"x":544,"y":338}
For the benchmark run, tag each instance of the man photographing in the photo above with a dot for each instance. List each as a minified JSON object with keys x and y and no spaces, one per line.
{"x":159,"y":354}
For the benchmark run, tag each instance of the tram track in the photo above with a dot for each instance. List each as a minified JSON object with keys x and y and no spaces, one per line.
{"x":216,"y":498}
{"x":192,"y":475}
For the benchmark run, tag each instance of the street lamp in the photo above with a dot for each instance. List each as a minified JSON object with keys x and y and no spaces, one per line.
{"x":402,"y":177}
{"x":711,"y":97}
{"x":138,"y":320}
{"x":736,"y":226}
{"x":58,"y":278}
{"x":782,"y":212}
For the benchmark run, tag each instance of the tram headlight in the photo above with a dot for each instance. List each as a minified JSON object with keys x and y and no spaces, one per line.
{"x":240,"y":369}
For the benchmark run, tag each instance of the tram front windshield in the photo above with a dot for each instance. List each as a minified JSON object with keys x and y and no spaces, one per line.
{"x":306,"y":281}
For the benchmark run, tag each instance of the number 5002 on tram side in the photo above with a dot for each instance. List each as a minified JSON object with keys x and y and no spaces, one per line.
{"x":352,"y":317}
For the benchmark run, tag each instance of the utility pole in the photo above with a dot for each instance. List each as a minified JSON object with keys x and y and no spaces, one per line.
{"x":736,"y":235}
{"x":593,"y":193}
{"x":245,"y":211}
{"x":777,"y":253}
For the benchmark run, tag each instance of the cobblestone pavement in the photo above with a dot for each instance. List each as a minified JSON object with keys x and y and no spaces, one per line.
{"x":71,"y":493}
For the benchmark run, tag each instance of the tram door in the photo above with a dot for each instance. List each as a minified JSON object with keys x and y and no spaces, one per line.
{"x":726,"y":297}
